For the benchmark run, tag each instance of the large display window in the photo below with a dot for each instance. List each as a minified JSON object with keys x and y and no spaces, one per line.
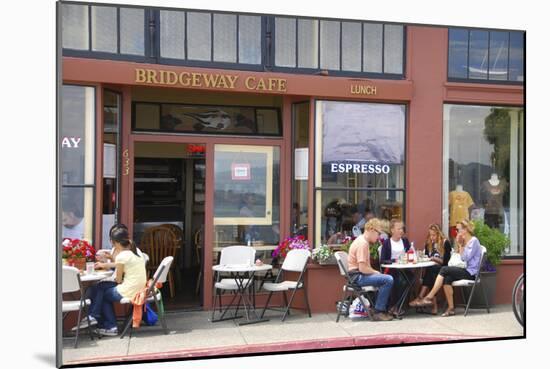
{"x":360,"y":167}
{"x":483,"y":169}
{"x":77,"y":165}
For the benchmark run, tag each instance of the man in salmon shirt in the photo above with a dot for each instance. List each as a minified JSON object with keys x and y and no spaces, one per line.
{"x":362,"y":273}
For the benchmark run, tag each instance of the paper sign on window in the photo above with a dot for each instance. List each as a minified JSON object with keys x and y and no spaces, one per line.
{"x":240,"y":172}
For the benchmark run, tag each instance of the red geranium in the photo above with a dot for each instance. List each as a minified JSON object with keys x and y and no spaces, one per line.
{"x":290,"y":243}
{"x":74,"y":248}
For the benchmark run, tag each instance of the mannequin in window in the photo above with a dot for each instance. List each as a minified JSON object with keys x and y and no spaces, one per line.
{"x":460,"y":202}
{"x":492,"y":193}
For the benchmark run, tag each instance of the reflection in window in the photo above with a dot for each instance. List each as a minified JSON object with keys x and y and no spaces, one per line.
{"x":359,"y":146}
{"x":77,"y":212}
{"x":132,"y":32}
{"x":111,"y":130}
{"x":199,"y":36}
{"x":104,"y":29}
{"x":479,"y":54}
{"x":250,"y":41}
{"x":483,"y":159}
{"x":77,"y":135}
{"x":299,"y":210}
{"x":246,"y":196}
{"x":74,"y":20}
{"x":393,"y":49}
{"x":225,"y":38}
{"x":330,"y":45}
{"x":77,"y":127}
{"x":458,"y":53}
{"x":285,"y":42}
{"x":344,"y":213}
{"x":172,"y":34}
{"x":207,"y":119}
{"x":498,"y":56}
{"x":516,"y":56}
{"x":482,"y":55}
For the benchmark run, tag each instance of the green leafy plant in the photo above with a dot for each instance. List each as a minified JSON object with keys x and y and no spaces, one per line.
{"x":322,"y":253}
{"x":494,"y":240}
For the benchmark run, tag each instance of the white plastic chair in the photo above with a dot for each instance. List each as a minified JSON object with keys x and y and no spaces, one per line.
{"x":350,"y":289}
{"x":71,"y":283}
{"x":468,"y":283}
{"x":152,"y":295}
{"x":295,"y":261}
{"x":232,"y":255}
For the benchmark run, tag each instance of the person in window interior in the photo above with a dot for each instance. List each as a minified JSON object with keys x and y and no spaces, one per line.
{"x":130,"y":279}
{"x":362,"y":273}
{"x":392,"y":249}
{"x":73,"y":222}
{"x":438,"y":249}
{"x":469,"y":249}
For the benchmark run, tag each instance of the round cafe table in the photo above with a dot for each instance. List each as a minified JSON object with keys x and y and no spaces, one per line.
{"x":97,"y":275}
{"x":240,"y":272}
{"x":410,"y":281}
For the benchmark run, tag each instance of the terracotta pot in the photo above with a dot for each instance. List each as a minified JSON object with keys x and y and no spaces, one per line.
{"x":79,"y":263}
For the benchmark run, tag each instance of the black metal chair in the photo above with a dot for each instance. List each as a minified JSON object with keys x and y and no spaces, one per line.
{"x":350,"y":289}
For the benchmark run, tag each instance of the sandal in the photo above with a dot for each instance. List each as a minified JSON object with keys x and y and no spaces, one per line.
{"x":415,"y":303}
{"x":425,"y":302}
{"x":448,"y":313}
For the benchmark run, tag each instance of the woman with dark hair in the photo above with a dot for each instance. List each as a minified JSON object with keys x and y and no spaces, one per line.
{"x":438,"y":249}
{"x":130,"y":278}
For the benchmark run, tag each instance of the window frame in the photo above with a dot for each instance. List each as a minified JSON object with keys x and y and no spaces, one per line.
{"x":488,"y":80}
{"x":89,"y":53}
{"x":194,"y":133}
{"x":316,"y":153}
{"x":522,"y":171}
{"x":82,"y":186}
{"x":340,"y":72}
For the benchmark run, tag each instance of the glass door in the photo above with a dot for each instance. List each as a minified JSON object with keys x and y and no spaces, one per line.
{"x":246,"y":197}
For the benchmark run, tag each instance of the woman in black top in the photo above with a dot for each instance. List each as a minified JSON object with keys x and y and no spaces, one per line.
{"x":438,"y":249}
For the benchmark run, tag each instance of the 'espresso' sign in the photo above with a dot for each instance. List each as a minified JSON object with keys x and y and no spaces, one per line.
{"x":209,"y":80}
{"x":359,"y":168}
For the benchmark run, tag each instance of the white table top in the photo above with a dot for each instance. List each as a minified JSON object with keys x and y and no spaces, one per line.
{"x":96,"y":276}
{"x":241,"y":268}
{"x":422,"y":264}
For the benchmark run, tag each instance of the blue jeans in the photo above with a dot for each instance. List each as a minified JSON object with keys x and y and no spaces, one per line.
{"x":384,"y":282}
{"x":103,"y":295}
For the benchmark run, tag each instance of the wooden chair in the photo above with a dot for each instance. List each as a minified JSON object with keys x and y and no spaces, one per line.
{"x":178,"y":258}
{"x":198,"y":248}
{"x":160,"y":242}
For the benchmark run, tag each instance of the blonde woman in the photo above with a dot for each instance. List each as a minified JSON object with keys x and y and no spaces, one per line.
{"x":438,"y":249}
{"x":470,"y":253}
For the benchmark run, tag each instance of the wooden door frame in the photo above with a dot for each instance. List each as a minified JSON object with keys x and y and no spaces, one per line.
{"x":210,"y":142}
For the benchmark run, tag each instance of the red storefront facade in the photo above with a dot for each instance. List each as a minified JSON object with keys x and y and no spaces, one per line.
{"x":424,"y":91}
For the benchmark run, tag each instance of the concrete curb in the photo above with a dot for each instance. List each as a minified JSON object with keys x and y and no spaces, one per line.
{"x":317,"y":344}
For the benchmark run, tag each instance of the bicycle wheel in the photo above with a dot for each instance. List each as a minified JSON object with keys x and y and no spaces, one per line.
{"x":518,"y":300}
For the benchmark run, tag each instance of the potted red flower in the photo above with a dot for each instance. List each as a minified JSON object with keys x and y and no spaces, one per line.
{"x":77,"y":252}
{"x":289,"y":243}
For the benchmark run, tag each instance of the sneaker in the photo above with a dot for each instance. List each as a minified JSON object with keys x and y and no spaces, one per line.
{"x":84,"y":323}
{"x":364,"y":301}
{"x":108,"y":332}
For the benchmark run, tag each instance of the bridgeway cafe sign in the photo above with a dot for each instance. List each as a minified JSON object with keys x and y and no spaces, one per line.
{"x":209,"y":80}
